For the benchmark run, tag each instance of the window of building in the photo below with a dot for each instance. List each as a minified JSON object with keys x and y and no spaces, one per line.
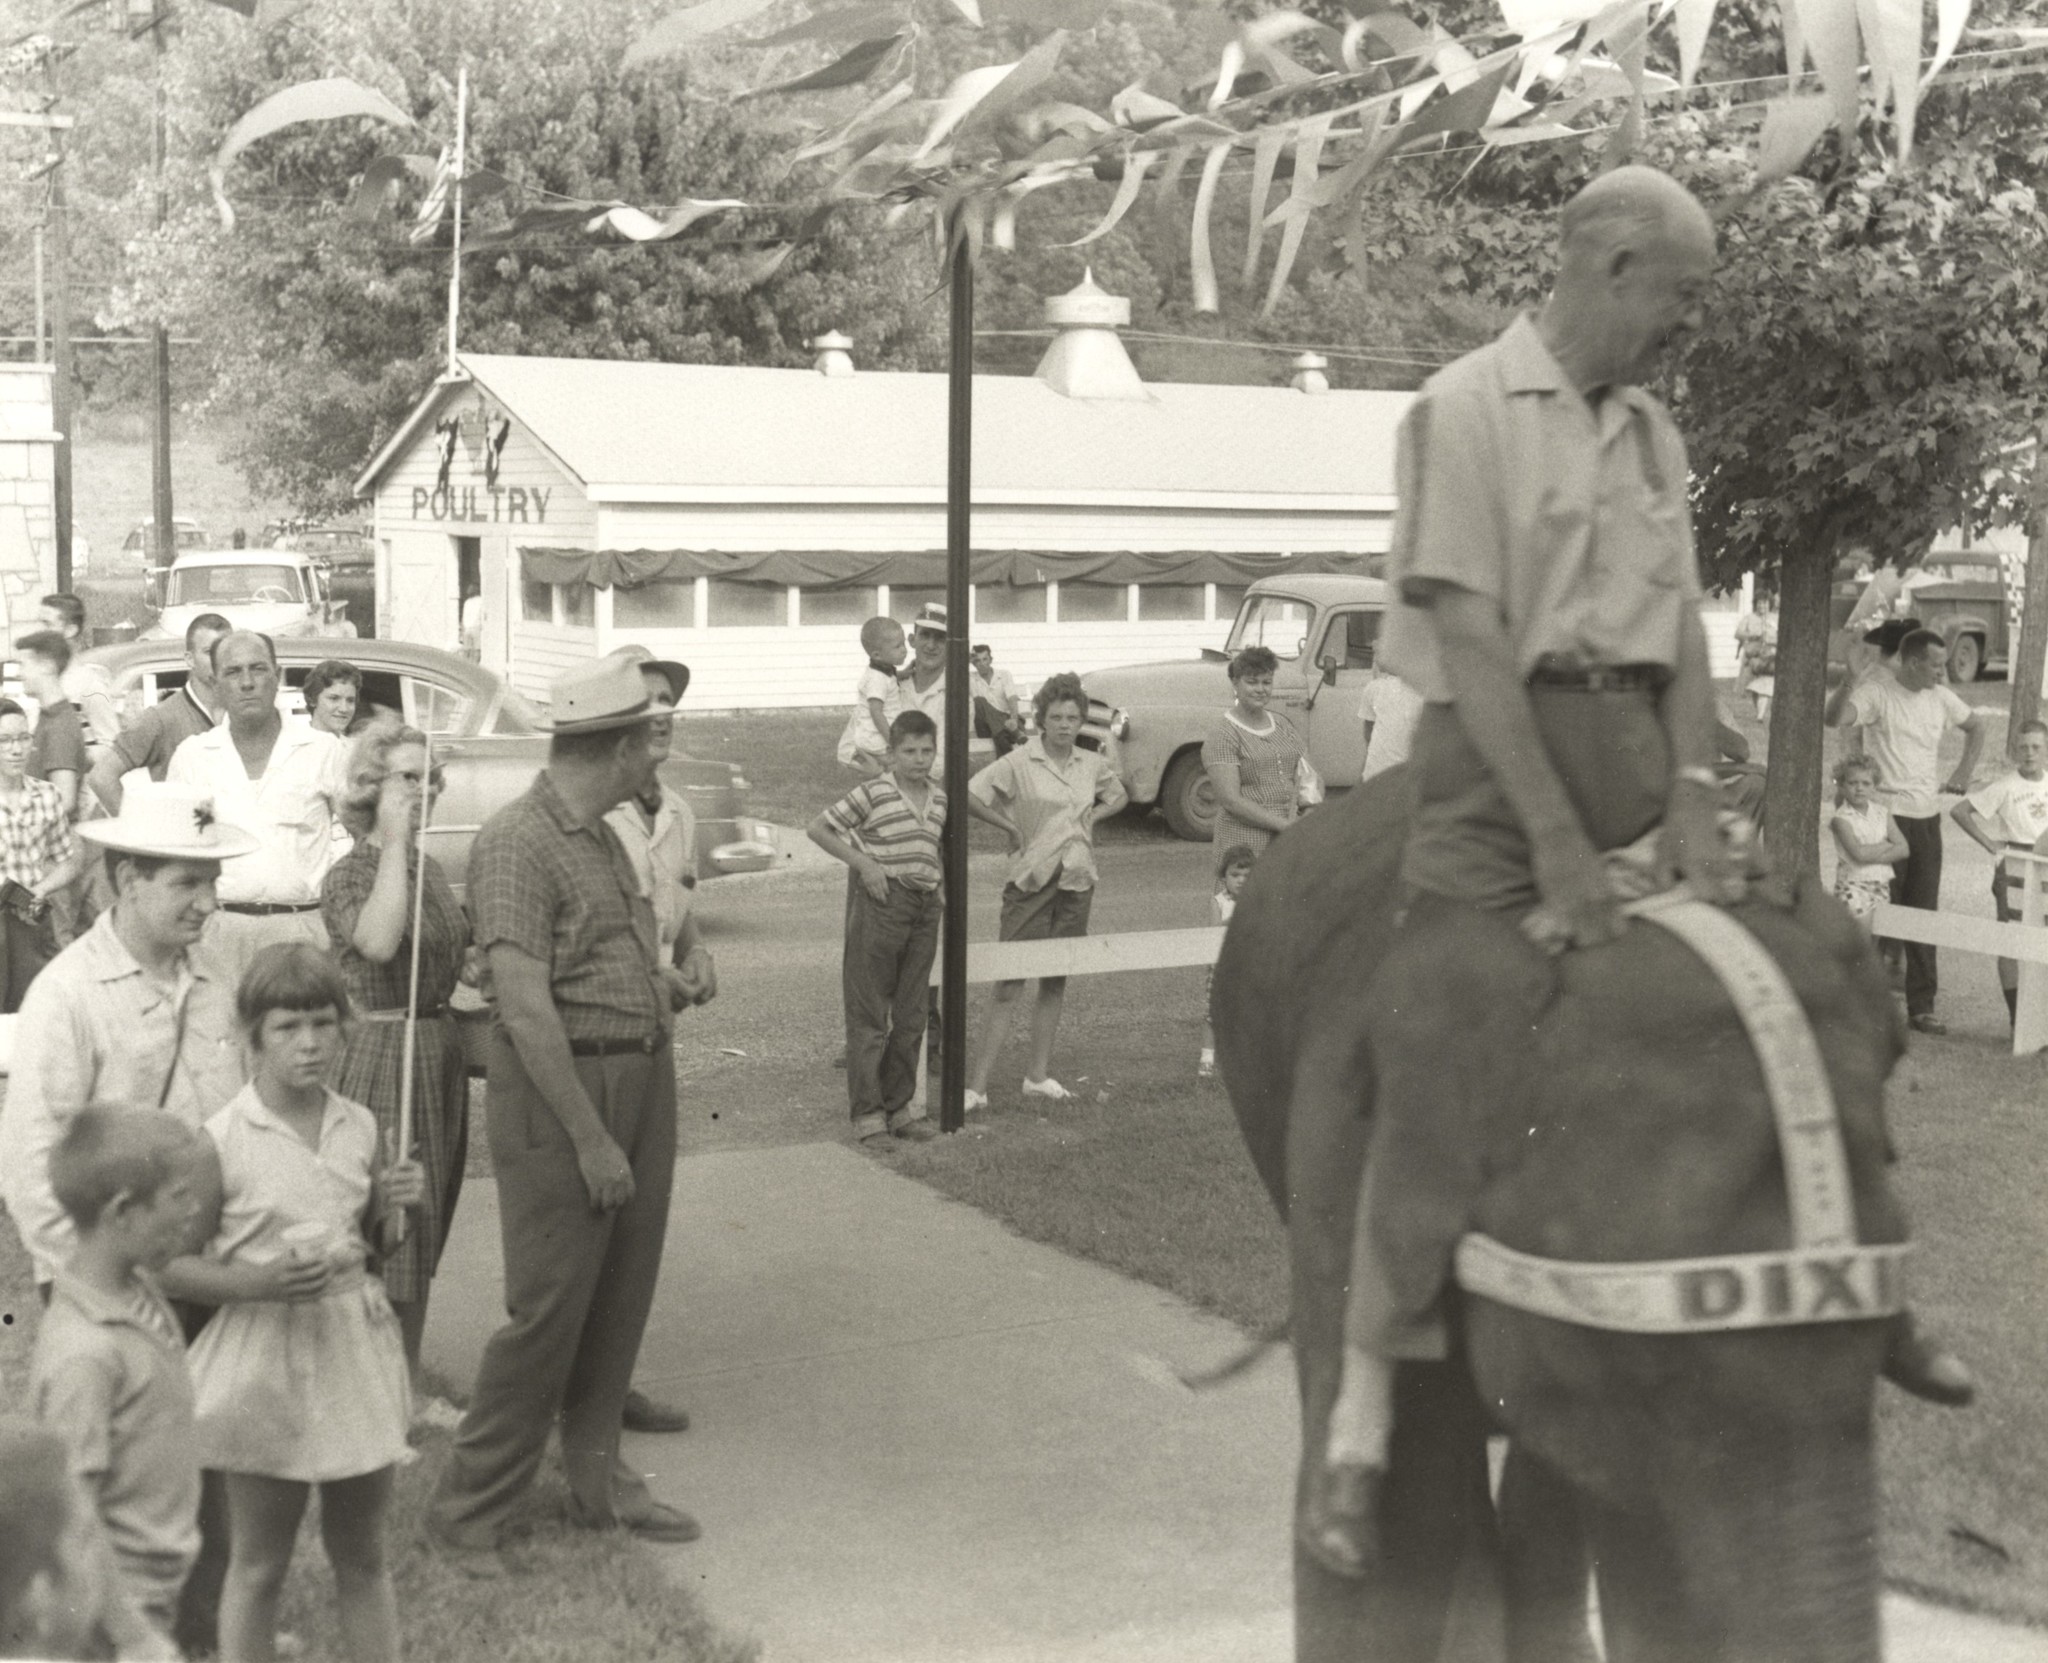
{"x":1088,"y":603}
{"x":1009,"y":603}
{"x":536,"y":601}
{"x":905,"y":602}
{"x":737,"y":605}
{"x":579,"y":605}
{"x":835,"y":606}
{"x":1159,"y":601}
{"x":669,"y":604}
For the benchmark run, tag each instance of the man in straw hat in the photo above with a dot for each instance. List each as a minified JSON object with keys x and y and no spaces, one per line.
{"x":582,"y":1122}
{"x":136,"y":1013}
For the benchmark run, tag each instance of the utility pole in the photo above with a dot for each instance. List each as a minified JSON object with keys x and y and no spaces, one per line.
{"x":161,"y":509}
{"x":60,"y":360}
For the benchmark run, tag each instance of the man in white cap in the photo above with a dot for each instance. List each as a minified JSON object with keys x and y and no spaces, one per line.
{"x":924,"y":683}
{"x":136,"y":1013}
{"x":582,"y":1122}
{"x":659,"y":832}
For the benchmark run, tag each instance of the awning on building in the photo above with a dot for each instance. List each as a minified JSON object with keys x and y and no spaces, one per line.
{"x":915,"y":568}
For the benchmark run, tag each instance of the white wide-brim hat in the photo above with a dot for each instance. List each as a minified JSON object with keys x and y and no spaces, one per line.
{"x":168,"y":822}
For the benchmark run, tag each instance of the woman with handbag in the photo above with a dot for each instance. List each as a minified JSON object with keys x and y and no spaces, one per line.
{"x":367,"y":905}
{"x":38,"y":859}
{"x":1256,"y":762}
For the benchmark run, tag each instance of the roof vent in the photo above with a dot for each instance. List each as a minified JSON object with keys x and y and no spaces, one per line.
{"x":835,"y":353}
{"x":1087,"y":358}
{"x":1308,"y":373}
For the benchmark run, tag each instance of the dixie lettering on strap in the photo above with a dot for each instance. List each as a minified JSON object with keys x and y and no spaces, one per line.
{"x":1825,"y":1276}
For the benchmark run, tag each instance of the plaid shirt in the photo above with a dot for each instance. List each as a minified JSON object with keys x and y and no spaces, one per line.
{"x":35,"y":834}
{"x":564,"y":892}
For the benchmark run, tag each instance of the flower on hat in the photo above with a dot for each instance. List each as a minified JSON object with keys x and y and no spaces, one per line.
{"x":202,"y":816}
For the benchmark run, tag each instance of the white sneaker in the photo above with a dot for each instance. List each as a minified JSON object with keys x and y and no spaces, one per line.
{"x":1206,"y":1068}
{"x":972,"y":1099}
{"x":1048,"y":1087}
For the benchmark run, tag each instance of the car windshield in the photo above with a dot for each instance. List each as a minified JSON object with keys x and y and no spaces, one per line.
{"x":1279,"y":622}
{"x":219,"y":585}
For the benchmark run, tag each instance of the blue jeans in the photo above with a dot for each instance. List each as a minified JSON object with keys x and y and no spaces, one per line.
{"x":884,"y":976}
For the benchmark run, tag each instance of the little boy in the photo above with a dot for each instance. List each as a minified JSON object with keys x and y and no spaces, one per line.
{"x":108,"y":1374}
{"x":886,"y":830}
{"x":2011,"y":813}
{"x":876,"y":699}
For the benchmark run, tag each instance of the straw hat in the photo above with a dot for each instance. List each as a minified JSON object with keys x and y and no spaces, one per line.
{"x":168,"y":822}
{"x":642,"y":659}
{"x":604,"y":693}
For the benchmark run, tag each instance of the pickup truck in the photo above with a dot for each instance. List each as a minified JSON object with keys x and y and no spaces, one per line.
{"x":1322,"y":627}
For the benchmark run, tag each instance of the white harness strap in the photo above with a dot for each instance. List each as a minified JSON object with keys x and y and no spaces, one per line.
{"x":1825,"y":1277}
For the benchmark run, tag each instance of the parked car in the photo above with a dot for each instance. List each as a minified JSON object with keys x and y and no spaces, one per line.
{"x":185,"y":534}
{"x":1322,"y":627}
{"x":490,"y":739}
{"x":350,"y":560}
{"x":278,"y":591}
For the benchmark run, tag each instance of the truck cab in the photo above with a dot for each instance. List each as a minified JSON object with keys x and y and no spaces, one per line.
{"x":1323,"y":628}
{"x":279,"y":592}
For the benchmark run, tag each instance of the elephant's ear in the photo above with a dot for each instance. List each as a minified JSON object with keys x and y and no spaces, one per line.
{"x":1850,"y":947}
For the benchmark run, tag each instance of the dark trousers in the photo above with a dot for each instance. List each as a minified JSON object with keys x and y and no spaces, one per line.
{"x":1916,"y":882}
{"x":578,"y":1287}
{"x":197,"y":1625}
{"x":884,"y":978}
{"x":28,"y":946}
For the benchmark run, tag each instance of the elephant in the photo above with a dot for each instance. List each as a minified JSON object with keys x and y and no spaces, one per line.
{"x":1723,"y":1483}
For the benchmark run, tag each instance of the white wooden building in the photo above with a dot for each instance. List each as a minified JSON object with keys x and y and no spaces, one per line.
{"x":748,"y":520}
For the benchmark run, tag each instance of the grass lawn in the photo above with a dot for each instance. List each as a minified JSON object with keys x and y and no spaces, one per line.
{"x":1152,"y":1181}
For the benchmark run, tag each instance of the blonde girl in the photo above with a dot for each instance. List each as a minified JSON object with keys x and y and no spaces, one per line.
{"x":1867,"y":840}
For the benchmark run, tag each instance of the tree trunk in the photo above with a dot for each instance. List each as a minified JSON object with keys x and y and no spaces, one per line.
{"x":2028,"y":651}
{"x":1792,"y":783}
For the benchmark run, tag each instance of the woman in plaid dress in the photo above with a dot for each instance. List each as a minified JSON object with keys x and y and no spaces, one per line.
{"x":1253,"y":758}
{"x":367,"y":904}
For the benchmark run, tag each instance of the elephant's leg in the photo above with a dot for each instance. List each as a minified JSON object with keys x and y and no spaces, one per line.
{"x":1646,"y":1615}
{"x":1546,"y":1564}
{"x":1435,"y":1510}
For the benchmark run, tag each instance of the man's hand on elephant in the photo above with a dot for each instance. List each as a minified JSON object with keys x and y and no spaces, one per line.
{"x":1577,"y":905}
{"x":1694,"y":847}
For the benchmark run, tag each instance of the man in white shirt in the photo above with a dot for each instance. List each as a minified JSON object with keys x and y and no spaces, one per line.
{"x":278,"y":780}
{"x":1904,"y":720}
{"x":1387,"y":711}
{"x":2010,"y":813}
{"x":995,"y":701}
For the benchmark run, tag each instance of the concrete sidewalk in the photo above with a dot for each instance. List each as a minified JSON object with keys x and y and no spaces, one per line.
{"x":918,"y":1438}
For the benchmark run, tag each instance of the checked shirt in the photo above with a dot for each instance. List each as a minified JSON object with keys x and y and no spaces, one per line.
{"x":35,"y":833}
{"x":564,"y":891}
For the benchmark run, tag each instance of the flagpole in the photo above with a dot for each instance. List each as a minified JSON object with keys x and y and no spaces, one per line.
{"x":455,"y":263}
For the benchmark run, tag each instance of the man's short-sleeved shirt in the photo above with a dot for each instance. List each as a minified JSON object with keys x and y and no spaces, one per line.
{"x":290,"y":809}
{"x":664,"y":857}
{"x":932,"y":701}
{"x":1392,"y":706}
{"x":1571,"y":518}
{"x":1902,"y":734}
{"x":59,"y":742}
{"x":153,"y":738}
{"x":108,"y":1377}
{"x":563,"y":890}
{"x":2014,"y":809}
{"x":878,"y":819}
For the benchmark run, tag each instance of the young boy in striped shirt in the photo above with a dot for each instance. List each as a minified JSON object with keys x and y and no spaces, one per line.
{"x":886,"y":830}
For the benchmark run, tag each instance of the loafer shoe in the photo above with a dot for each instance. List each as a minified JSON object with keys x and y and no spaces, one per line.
{"x":643,"y":1414}
{"x":1928,"y":1023}
{"x":663,"y":1523}
{"x":1048,"y":1088}
{"x":914,"y":1131}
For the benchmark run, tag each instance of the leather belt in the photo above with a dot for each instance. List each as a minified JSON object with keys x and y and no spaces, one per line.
{"x":645,"y":1046}
{"x":268,"y":909}
{"x":1572,"y":677}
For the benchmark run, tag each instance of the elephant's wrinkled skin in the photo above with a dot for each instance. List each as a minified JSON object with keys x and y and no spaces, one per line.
{"x":1725,"y":1480}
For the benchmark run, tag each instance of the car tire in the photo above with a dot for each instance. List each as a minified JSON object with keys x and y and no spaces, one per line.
{"x":1187,"y":799}
{"x":1965,"y":659}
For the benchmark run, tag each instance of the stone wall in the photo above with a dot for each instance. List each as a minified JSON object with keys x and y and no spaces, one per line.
{"x":28,"y":520}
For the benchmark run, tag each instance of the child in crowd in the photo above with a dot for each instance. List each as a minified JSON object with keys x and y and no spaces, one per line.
{"x":1231,"y":872}
{"x":2011,"y":813}
{"x":300,"y":1379}
{"x":886,"y":830}
{"x":1867,"y":840}
{"x":59,"y":1596}
{"x":108,"y":1375}
{"x":876,"y":699}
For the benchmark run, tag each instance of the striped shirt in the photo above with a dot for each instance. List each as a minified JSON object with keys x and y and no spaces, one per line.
{"x":879,"y":820}
{"x":35,"y":833}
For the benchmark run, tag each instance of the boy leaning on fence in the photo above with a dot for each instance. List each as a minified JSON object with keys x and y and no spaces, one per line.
{"x":886,"y":830}
{"x":2011,"y":815}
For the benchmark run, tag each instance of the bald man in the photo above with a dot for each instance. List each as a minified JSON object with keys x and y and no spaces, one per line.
{"x":1547,"y":612}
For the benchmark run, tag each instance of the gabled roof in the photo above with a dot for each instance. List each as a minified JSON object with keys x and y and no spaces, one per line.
{"x":638,"y":431}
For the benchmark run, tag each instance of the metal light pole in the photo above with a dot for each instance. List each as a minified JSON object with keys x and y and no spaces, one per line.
{"x":959,"y":486}
{"x":162,"y":512}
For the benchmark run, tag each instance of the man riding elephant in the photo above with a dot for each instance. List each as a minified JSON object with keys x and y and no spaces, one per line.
{"x":1546,"y":607}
